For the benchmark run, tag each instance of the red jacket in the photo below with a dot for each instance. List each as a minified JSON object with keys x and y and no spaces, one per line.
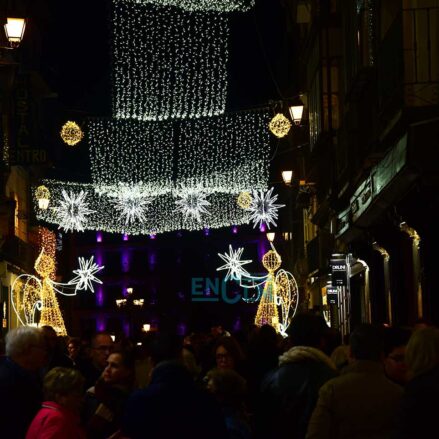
{"x":55,"y":422}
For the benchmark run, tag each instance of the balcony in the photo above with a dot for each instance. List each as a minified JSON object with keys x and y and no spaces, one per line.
{"x":19,"y":253}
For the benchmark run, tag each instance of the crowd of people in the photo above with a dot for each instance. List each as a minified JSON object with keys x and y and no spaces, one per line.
{"x":381,"y":382}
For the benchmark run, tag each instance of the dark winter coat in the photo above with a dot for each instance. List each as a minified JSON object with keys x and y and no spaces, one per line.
{"x":289,"y":393}
{"x":173,"y":406}
{"x":419,"y":407}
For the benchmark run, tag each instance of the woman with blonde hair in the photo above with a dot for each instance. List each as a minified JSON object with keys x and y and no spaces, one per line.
{"x":59,"y":413}
{"x":419,"y":405}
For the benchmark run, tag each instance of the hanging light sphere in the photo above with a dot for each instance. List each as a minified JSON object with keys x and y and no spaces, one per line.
{"x":71,"y":133}
{"x":42,"y":194}
{"x":271,"y":261}
{"x":280,"y":126}
{"x":244,"y":200}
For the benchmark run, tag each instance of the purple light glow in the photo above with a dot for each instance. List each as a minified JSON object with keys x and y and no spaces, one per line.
{"x":99,"y":236}
{"x":100,"y":297}
{"x":181,"y":329}
{"x":152,"y":259}
{"x":126,"y":260}
{"x":206,"y":231}
{"x":235,"y":230}
{"x":263,"y":228}
{"x":126,"y":328}
{"x":100,"y":323}
{"x":125,"y":237}
{"x":152,"y":236}
{"x":99,"y":258}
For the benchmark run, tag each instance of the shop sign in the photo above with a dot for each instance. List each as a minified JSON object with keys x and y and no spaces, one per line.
{"x":338,"y":272}
{"x":332,"y":295}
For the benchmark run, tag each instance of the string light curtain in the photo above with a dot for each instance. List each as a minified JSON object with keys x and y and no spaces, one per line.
{"x":131,"y":153}
{"x":202,"y":5}
{"x":162,"y":214}
{"x":228,"y":153}
{"x":168,"y":62}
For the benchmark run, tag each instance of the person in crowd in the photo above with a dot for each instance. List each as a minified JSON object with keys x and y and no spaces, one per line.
{"x":340,"y":357}
{"x":101,"y":347}
{"x":56,"y":355}
{"x":59,"y":413}
{"x":229,"y":389}
{"x":362,"y":402}
{"x":289,"y":393}
{"x":263,"y":354}
{"x":395,"y":341}
{"x":172,"y":405}
{"x":20,"y":386}
{"x":228,"y":354}
{"x":418,"y":411}
{"x":73,"y":350}
{"x":105,"y":402}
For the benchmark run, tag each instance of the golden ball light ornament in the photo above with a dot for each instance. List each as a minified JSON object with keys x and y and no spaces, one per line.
{"x":271,"y":261}
{"x":244,"y":200}
{"x":71,"y":133}
{"x":280,"y":126}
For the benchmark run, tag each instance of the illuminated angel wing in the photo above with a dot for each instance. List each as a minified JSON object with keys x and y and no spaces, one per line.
{"x":26,"y":298}
{"x":287,"y":298}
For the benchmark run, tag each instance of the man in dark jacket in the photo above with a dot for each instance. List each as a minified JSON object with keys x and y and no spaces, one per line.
{"x":172,"y":405}
{"x":289,"y":393}
{"x":20,"y":387}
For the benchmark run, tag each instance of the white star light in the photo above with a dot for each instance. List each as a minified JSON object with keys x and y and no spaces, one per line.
{"x":85,"y":274}
{"x":234,"y":264}
{"x":263,"y":209}
{"x":192,"y":203}
{"x":72,"y":211}
{"x":132,"y":204}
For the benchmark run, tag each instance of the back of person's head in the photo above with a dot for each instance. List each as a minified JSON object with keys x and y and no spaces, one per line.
{"x":422,"y":352}
{"x":163,"y":346}
{"x":307,"y":330}
{"x":394,"y":338}
{"x":227,"y":385}
{"x":19,"y":341}
{"x":366,"y":343}
{"x":62,"y":381}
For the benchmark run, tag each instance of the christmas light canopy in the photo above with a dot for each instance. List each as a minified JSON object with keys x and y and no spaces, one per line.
{"x":203,"y":5}
{"x":71,"y":133}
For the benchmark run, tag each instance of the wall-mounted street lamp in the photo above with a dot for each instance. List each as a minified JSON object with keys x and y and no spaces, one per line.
{"x":14,"y":30}
{"x":296,"y":111}
{"x":271,"y":236}
{"x":287,"y":177}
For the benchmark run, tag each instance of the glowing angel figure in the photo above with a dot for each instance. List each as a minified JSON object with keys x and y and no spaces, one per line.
{"x":233,"y":264}
{"x":72,"y":211}
{"x":31,"y":295}
{"x":192,"y":203}
{"x":132,"y":204}
{"x":263,"y":208}
{"x":277,"y":293}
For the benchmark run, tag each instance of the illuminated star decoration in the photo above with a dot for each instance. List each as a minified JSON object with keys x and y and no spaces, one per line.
{"x":132,"y":204}
{"x":72,"y":211}
{"x":233,"y":264}
{"x":263,"y":208}
{"x":85,"y":275}
{"x":192,"y":203}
